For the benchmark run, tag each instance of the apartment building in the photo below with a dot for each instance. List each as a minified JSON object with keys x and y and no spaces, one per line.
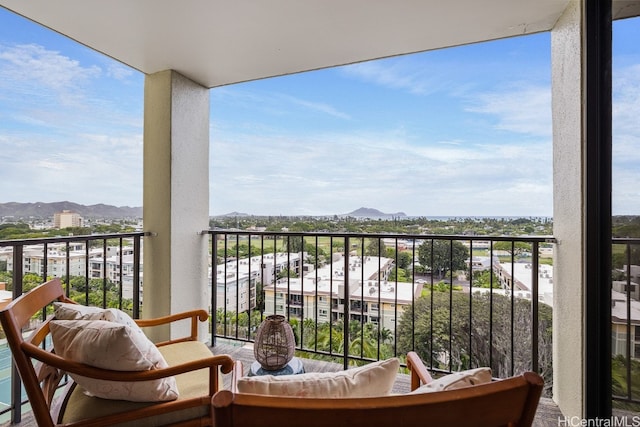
{"x":519,"y":277}
{"x":370,"y":296}
{"x":66,"y":219}
{"x":75,"y":253}
{"x":623,"y":331}
{"x":55,"y":259}
{"x":237,"y":280}
{"x":109,"y":266}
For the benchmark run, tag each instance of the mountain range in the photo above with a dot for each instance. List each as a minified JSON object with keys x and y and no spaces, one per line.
{"x":374,"y":213}
{"x":358,"y":213}
{"x":47,"y":210}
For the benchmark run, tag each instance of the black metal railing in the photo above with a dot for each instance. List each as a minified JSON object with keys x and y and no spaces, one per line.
{"x":89,"y":274}
{"x":460,"y":301}
{"x":449,"y":318}
{"x":625,"y":323}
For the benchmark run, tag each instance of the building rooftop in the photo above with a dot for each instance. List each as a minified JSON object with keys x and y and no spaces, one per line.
{"x":330,"y":281}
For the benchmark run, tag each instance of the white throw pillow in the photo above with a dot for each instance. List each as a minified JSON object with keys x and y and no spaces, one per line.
{"x":456,"y":380}
{"x":70,"y":311}
{"x":374,"y":379}
{"x":110,"y":345}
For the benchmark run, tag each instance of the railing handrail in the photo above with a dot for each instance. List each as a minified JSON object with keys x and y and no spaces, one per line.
{"x":626,"y":240}
{"x":475,"y":237}
{"x":79,"y":238}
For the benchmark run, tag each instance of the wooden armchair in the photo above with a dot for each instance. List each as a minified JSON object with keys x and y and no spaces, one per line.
{"x":195,"y":369}
{"x":509,"y":402}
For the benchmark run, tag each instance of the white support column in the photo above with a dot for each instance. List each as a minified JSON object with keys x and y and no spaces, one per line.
{"x":568,"y":210}
{"x":176,"y":198}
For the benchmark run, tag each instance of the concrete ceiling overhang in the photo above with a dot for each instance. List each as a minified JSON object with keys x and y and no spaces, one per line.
{"x":221,"y":42}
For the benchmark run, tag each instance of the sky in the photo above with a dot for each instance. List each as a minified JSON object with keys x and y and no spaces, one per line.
{"x":464,"y":131}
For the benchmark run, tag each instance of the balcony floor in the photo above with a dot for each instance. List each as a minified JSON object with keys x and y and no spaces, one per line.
{"x":547,"y":414}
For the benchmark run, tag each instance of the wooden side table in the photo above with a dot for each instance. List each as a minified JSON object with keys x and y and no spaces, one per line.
{"x":294,"y":367}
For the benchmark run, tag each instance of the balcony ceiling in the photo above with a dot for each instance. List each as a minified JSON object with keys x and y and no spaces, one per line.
{"x":220,"y":42}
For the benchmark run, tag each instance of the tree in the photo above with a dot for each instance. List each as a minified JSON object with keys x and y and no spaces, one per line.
{"x":242,"y":251}
{"x":399,"y":275}
{"x":443,"y":256}
{"x":314,"y":254}
{"x":517,"y":249}
{"x":449,"y":337}
{"x":7,"y":277}
{"x":30,"y":281}
{"x":374,"y":247}
{"x":285,"y":272}
{"x":404,"y":258}
{"x":97,"y":291}
{"x":485,"y":278}
{"x":338,"y":245}
{"x":294,"y":244}
{"x":363,"y":339}
{"x":259,"y":297}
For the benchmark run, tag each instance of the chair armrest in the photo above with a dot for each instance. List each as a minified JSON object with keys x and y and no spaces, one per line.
{"x":419,"y":373}
{"x":194,"y":315}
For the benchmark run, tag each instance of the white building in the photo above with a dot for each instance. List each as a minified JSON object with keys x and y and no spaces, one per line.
{"x":519,"y":276}
{"x":236,"y":280}
{"x":66,"y":219}
{"x":320,"y":294}
{"x":34,"y":260}
{"x":57,"y":255}
{"x":621,"y":310}
{"x":113,"y":263}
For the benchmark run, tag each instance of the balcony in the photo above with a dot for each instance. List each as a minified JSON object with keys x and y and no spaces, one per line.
{"x":366,"y":279}
{"x":176,"y":138}
{"x":383,"y":317}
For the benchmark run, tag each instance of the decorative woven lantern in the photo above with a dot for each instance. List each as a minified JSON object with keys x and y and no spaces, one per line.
{"x":274,"y":344}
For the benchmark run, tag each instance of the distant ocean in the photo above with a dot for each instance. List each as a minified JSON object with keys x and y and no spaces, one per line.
{"x":462,"y":217}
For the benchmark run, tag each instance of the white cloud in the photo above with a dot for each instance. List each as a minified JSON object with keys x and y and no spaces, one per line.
{"x":318,"y":106}
{"x":520,"y":108}
{"x":626,"y":101}
{"x":272,"y":103}
{"x":333,"y":173}
{"x":626,"y":140}
{"x":89,"y":169}
{"x":398,"y":74}
{"x":118,"y":71}
{"x":34,"y":69}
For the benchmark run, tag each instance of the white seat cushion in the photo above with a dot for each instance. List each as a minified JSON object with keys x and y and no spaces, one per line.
{"x":456,"y":380}
{"x":374,"y":379}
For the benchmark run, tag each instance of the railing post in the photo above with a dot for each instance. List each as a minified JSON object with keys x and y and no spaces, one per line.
{"x":214,"y":287}
{"x":347,"y":303}
{"x":136,"y":277}
{"x":534,"y":306}
{"x":596,"y":204}
{"x":16,"y":383}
